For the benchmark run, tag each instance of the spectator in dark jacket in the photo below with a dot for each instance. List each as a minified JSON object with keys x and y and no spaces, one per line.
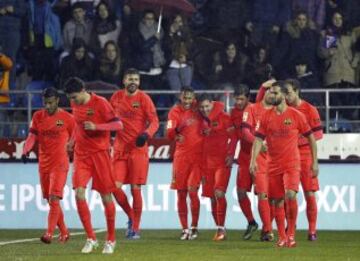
{"x":315,"y":10}
{"x":110,"y":64}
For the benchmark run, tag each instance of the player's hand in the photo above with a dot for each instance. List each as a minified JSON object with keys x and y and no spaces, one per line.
{"x":228,"y":161}
{"x":264,"y":147}
{"x":179,"y":138}
{"x":253,"y":168}
{"x":24,"y":158}
{"x":88,"y":125}
{"x":70,"y":146}
{"x":141,"y":140}
{"x":315,"y":169}
{"x":268,"y":83}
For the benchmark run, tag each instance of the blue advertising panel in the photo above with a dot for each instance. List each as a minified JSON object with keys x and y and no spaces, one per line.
{"x":22,"y":206}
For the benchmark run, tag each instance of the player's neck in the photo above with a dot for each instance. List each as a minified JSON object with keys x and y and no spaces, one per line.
{"x":87,"y":98}
{"x":131,"y":94}
{"x":51,"y":114}
{"x":298,"y":102}
{"x":281,"y":107}
{"x":265,"y":105}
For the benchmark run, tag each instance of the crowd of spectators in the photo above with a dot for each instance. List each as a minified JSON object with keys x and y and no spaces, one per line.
{"x":224,"y":43}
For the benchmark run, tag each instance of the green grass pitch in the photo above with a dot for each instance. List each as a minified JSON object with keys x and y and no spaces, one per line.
{"x":165,"y":245}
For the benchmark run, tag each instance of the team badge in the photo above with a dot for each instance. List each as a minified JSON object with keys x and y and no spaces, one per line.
{"x":287,"y":121}
{"x":90,"y":112}
{"x":59,"y":123}
{"x":214,"y":124}
{"x":136,"y":105}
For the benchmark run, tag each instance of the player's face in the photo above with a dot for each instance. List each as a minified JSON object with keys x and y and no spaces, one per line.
{"x":240,"y":101}
{"x":51,"y":104}
{"x":276,"y":96}
{"x":291,"y":95}
{"x":77,"y":97}
{"x":187,"y":99}
{"x":205,"y":107}
{"x":268,"y":97}
{"x":131,"y":82}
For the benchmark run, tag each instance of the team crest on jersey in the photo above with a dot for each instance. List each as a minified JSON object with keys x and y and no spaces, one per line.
{"x":59,"y":123}
{"x":136,"y":105}
{"x":90,"y":112}
{"x":287,"y":121}
{"x":214,"y":124}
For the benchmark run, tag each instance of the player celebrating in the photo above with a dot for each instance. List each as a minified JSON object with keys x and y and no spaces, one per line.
{"x":51,"y":128}
{"x":183,"y":126}
{"x":251,"y":117}
{"x":281,"y":126}
{"x":217,"y":158}
{"x":243,"y":180}
{"x":309,"y":180}
{"x":131,"y":160}
{"x":95,"y":119}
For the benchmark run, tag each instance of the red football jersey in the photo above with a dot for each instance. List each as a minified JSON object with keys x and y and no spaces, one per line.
{"x":97,"y":110}
{"x":188,"y":124}
{"x":53,"y":133}
{"x":282,"y":133}
{"x":237,"y":119}
{"x":313,"y":119}
{"x":216,"y":143}
{"x":138,"y":115}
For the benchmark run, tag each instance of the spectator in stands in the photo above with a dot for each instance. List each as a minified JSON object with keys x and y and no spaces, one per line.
{"x":315,"y":10}
{"x":147,"y":52}
{"x":180,"y":70}
{"x":352,"y":12}
{"x":331,"y":7}
{"x":88,"y":5}
{"x":45,"y":39}
{"x":78,"y":27}
{"x":336,"y":47}
{"x":5,"y":68}
{"x":266,"y":19}
{"x":258,"y":69}
{"x":110,"y":64}
{"x":11,"y":14}
{"x":299,"y":39}
{"x":77,"y":64}
{"x":106,"y":25}
{"x":229,"y":67}
{"x":177,"y":34}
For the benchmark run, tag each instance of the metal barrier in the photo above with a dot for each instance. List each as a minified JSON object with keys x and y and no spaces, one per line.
{"x":330,"y":123}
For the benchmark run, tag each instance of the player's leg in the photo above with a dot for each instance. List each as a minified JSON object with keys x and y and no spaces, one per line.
{"x":183,"y":213}
{"x":137,"y":207}
{"x":214,"y":210}
{"x":261,"y":189}
{"x":221,"y":206}
{"x":110,"y":223}
{"x":45,"y":188}
{"x":195,"y":210}
{"x":64,"y":232}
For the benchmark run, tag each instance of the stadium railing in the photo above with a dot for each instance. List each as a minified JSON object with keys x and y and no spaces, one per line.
{"x":26,"y":102}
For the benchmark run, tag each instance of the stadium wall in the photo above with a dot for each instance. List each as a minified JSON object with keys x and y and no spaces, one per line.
{"x":22,"y":206}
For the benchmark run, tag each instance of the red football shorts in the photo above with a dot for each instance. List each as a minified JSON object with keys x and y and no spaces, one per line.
{"x":186,"y":173}
{"x":308,"y":182}
{"x":215,"y":179}
{"x":243,"y":180}
{"x":287,"y":180}
{"x":98,"y":167}
{"x":131,"y":167}
{"x":53,"y":183}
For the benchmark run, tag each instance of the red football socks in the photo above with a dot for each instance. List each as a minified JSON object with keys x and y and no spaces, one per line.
{"x":61,"y":223}
{"x":264,"y":211}
{"x":221,"y":211}
{"x":214,"y":210}
{"x":137,"y":207}
{"x":122,"y":200}
{"x":53,"y":215}
{"x":110,"y":220}
{"x":311,"y":212}
{"x":245,"y":206}
{"x":291,"y":215}
{"x":85,"y":217}
{"x":182,"y":208}
{"x":280,"y":221}
{"x":195,"y":207}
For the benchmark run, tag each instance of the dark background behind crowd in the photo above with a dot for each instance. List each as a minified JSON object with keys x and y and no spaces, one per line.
{"x":222,"y":44}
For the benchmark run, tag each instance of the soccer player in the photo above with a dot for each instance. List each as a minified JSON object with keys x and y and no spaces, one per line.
{"x":281,"y":126}
{"x":183,"y":126}
{"x":52,"y":128}
{"x":217,"y":158}
{"x":243,"y":179}
{"x":95,"y":119}
{"x":309,"y":180}
{"x":251,"y":117}
{"x":131,"y":160}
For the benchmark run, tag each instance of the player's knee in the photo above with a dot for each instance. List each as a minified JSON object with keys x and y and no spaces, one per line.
{"x":135,"y":186}
{"x":80,"y":194}
{"x":106,"y":198}
{"x":310,"y":194}
{"x":53,"y":198}
{"x":241,"y":194}
{"x":219,"y":193}
{"x":118,"y":184}
{"x":290,"y":194}
{"x":262,"y":196}
{"x":279,"y":202}
{"x":192,"y":189}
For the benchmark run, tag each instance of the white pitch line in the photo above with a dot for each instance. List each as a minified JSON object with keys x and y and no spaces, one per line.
{"x":37,"y":238}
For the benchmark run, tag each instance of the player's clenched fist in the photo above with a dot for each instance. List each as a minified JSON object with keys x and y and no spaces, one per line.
{"x":88,"y":125}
